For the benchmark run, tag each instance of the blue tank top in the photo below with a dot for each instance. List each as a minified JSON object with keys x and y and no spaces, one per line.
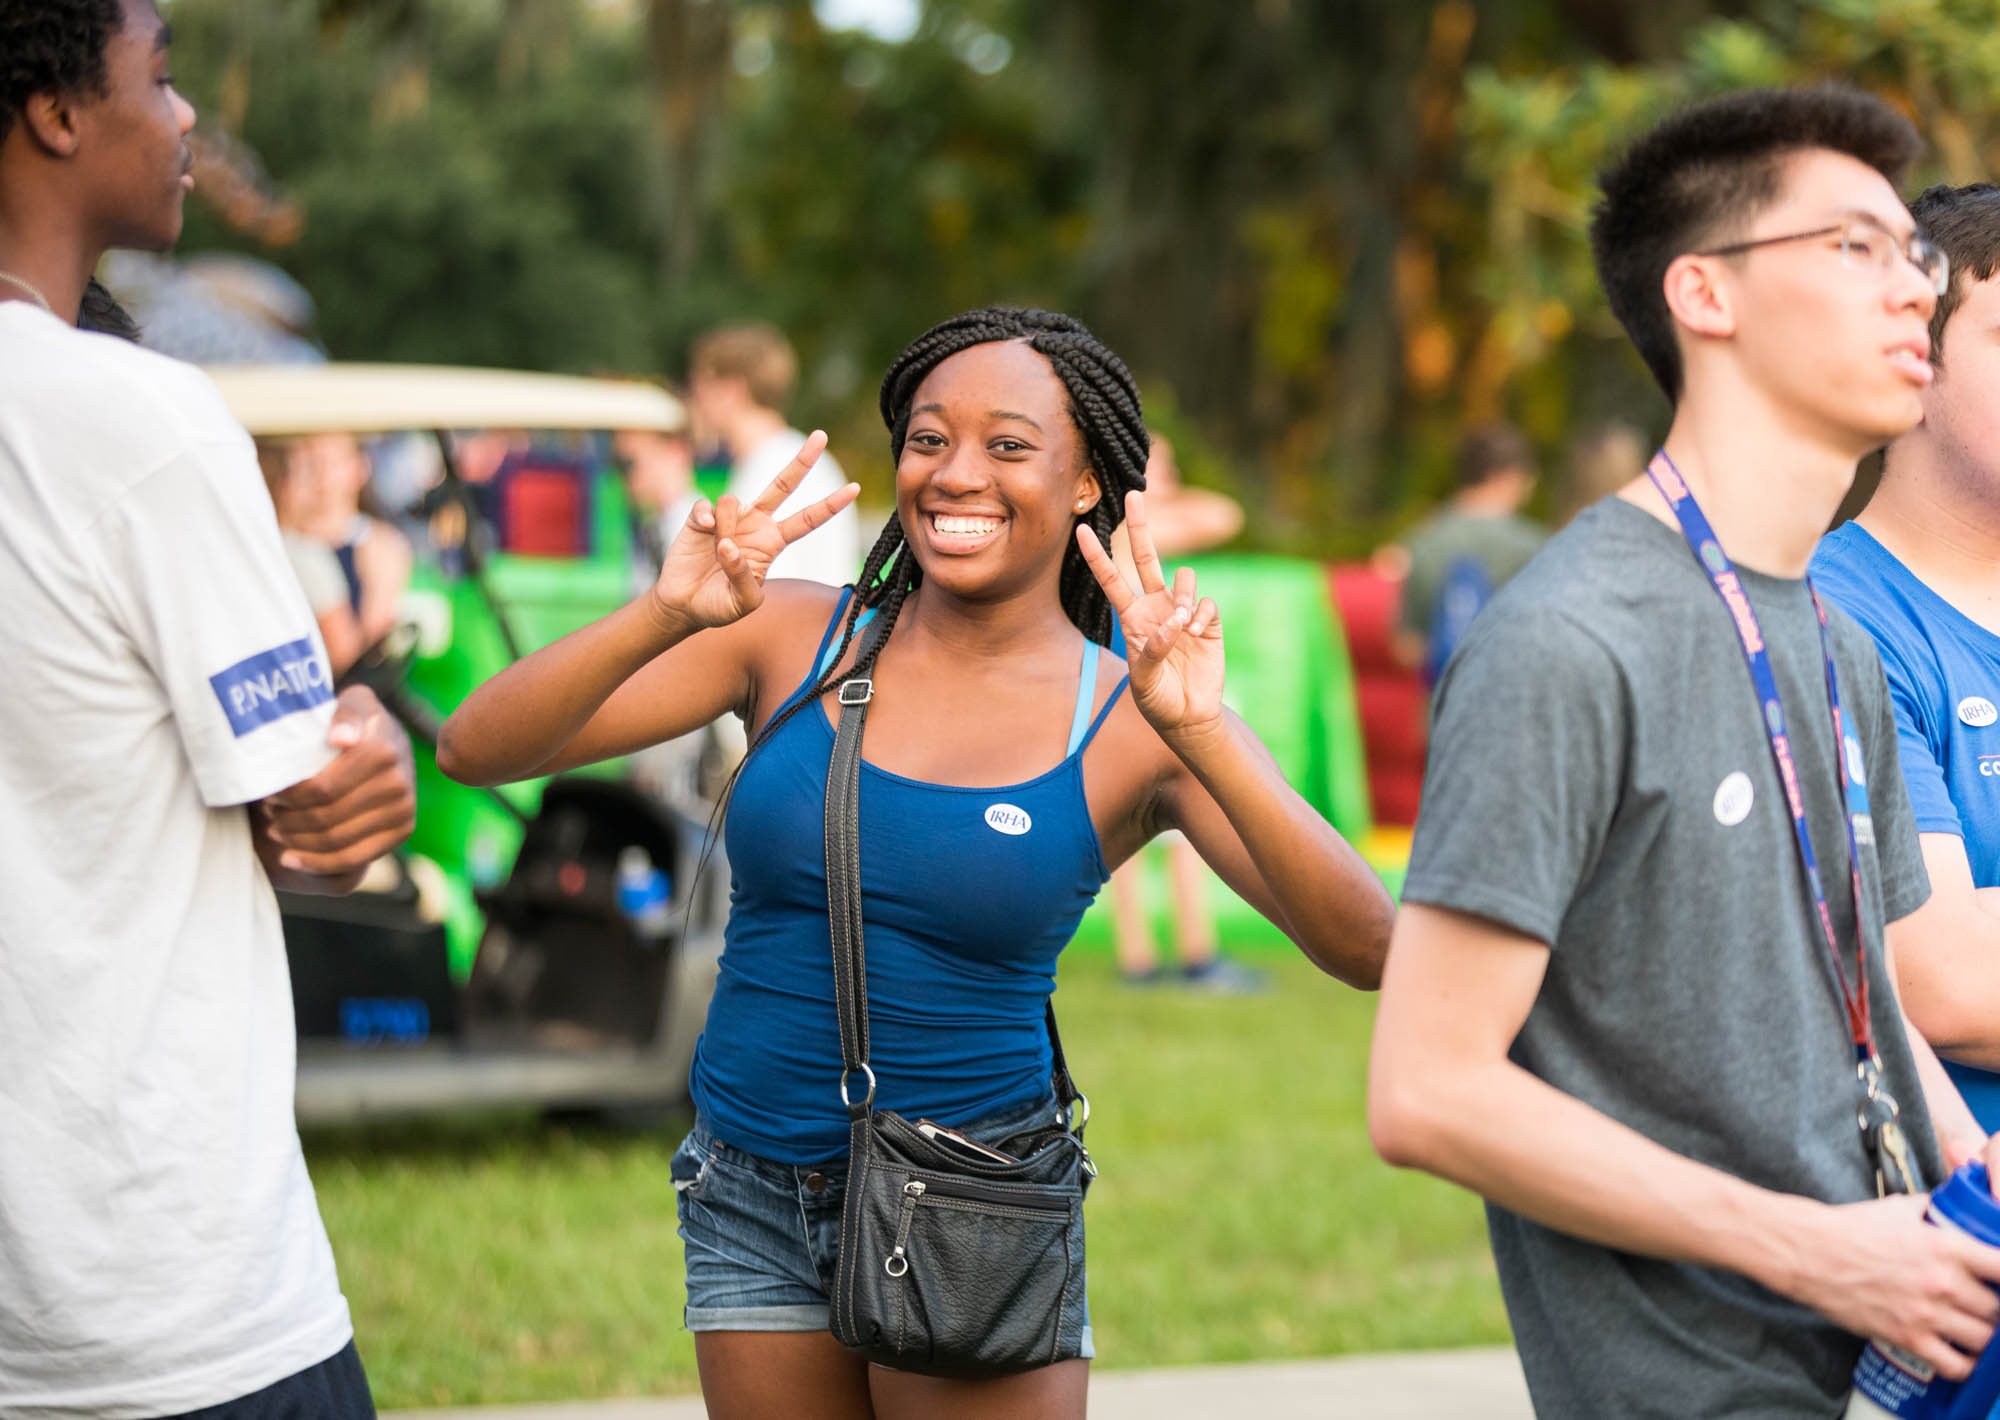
{"x":967,"y":896}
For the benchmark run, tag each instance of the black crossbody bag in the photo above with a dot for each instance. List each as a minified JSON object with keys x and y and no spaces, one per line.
{"x":951,"y":1263}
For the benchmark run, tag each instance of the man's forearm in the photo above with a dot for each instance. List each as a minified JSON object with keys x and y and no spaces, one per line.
{"x":1547,"y":1156}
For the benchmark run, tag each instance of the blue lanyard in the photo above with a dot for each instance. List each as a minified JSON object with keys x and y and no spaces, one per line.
{"x":1714,"y":561}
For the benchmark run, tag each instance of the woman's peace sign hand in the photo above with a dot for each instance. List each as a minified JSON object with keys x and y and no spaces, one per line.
{"x":1173,"y":642}
{"x":714,"y":570}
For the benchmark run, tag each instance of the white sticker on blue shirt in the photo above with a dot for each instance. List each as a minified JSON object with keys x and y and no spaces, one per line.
{"x":273,"y":684}
{"x":1008,"y":819}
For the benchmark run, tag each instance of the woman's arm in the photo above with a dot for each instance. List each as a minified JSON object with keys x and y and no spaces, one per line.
{"x":382,"y":561}
{"x":668,"y":663}
{"x":1275,"y":850}
{"x":531,"y":718}
{"x":1225,"y":791}
{"x":341,"y":635}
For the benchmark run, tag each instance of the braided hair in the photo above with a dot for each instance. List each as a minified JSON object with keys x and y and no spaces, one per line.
{"x":1104,"y":405}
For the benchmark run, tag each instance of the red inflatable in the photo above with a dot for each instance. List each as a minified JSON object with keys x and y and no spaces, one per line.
{"x":1393,"y":704}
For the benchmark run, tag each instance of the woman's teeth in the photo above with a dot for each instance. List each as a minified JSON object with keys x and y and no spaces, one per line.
{"x":963,"y":527}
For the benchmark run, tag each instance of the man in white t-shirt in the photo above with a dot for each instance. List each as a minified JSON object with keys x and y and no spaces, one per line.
{"x":740,"y":380}
{"x":170,"y":747}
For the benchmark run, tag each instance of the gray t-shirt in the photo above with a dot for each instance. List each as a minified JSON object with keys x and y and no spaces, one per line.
{"x":1600,"y":779}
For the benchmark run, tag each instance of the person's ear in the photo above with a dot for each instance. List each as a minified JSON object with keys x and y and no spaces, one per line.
{"x":1087,"y":493}
{"x":50,"y":121}
{"x":1700,"y":296}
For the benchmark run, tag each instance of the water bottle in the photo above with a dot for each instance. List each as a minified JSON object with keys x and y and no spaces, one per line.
{"x":1890,"y":1383}
{"x":643,"y":894}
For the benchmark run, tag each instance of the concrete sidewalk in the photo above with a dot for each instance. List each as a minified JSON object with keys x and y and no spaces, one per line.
{"x":1424,"y":1385}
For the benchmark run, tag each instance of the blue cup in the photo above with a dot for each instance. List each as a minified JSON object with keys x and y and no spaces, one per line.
{"x":1890,"y":1381}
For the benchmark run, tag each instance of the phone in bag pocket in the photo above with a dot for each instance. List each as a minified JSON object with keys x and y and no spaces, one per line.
{"x":952,"y":1141}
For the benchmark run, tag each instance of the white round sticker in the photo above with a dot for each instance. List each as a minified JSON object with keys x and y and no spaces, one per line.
{"x":1733,"y":798}
{"x":1009,"y":820}
{"x":1977,"y":711}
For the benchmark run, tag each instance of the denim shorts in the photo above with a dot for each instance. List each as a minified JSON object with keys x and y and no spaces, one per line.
{"x":762,"y":1238}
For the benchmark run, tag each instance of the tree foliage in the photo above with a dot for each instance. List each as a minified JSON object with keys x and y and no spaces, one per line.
{"x":1325,"y":236}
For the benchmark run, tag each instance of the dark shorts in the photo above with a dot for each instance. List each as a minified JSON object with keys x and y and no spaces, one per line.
{"x":762,"y":1238}
{"x":335,"y":1389}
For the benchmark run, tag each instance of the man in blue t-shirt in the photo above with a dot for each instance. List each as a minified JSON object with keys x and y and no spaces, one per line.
{"x":1920,"y":569}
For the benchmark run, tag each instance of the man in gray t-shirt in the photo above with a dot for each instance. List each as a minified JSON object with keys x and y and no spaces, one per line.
{"x":1687,"y":994}
{"x":1609,"y":1006}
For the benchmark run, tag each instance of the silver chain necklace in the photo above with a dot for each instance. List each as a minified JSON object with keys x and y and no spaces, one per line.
{"x":43,"y":301}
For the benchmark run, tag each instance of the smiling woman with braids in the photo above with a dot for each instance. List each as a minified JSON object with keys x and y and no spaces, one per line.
{"x":1005,"y":771}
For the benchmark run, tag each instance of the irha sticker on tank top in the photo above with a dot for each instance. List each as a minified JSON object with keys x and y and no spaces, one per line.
{"x":1005,"y":818}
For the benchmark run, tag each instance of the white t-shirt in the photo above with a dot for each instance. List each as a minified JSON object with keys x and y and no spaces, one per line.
{"x":830,"y":554}
{"x":160,"y":1246}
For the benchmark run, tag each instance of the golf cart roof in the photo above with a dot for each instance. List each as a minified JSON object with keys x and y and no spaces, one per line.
{"x":381,"y":399}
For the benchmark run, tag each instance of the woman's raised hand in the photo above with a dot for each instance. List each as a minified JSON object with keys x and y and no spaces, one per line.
{"x":1173,"y":642}
{"x":714,"y":570}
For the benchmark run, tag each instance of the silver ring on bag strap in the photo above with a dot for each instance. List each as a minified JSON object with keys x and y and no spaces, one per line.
{"x":863,"y":1068}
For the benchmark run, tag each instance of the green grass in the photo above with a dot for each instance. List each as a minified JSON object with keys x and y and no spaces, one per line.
{"x":1240,"y":1215}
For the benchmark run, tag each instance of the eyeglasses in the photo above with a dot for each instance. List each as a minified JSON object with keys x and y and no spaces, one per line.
{"x":1865,"y":246}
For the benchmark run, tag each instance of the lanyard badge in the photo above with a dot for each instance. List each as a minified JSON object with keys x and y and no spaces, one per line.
{"x":1881,"y":1133}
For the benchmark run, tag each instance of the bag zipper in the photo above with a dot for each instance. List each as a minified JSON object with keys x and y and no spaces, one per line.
{"x":963,"y":1194}
{"x":897,"y":1263}
{"x":943,"y":1190}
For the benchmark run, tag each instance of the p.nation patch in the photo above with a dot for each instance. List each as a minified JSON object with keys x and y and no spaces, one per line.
{"x":273,"y":684}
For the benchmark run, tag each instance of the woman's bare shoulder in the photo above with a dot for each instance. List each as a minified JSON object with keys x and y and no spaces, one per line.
{"x":783,"y":635}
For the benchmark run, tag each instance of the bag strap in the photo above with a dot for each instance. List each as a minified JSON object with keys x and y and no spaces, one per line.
{"x":843,"y":877}
{"x":843,"y":899}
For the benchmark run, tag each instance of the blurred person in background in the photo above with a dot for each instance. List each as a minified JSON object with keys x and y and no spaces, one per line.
{"x":659,"y":484}
{"x":1466,"y":551}
{"x":740,"y":382}
{"x":1004,"y":768}
{"x":1182,"y":520}
{"x":1920,"y":570}
{"x":1601,"y":460}
{"x":289,"y":479}
{"x":374,"y":555}
{"x":171,"y":749}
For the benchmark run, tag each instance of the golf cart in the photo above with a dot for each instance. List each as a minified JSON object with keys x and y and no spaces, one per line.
{"x":549,"y":943}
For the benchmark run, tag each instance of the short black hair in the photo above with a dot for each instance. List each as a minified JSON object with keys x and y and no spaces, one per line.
{"x":1964,"y":223}
{"x":1490,"y":449}
{"x":1699,"y":178}
{"x":52,"y":47}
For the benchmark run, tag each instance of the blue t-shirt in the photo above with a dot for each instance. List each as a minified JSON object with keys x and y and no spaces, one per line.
{"x":1944,"y":681}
